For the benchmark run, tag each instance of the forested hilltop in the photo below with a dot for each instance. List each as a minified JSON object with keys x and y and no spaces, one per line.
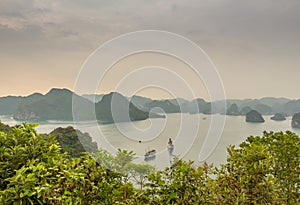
{"x":34,"y":170}
{"x":57,"y":104}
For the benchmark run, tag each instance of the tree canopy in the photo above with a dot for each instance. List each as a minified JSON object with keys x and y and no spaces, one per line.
{"x":262,"y":170}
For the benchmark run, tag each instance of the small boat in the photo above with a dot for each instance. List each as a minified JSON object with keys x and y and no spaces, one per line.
{"x":170,"y":148}
{"x":150,"y":155}
{"x":170,"y":145}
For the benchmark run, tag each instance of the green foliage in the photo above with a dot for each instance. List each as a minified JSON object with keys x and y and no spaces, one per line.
{"x":285,"y":167}
{"x":122,"y":163}
{"x":124,"y":157}
{"x":5,"y":128}
{"x":21,"y":147}
{"x":9,"y":104}
{"x":182,"y":183}
{"x":34,"y":172}
{"x":55,"y":105}
{"x":262,"y":170}
{"x":139,"y":172}
{"x":74,"y":142}
{"x":246,"y":178}
{"x":121,"y":106}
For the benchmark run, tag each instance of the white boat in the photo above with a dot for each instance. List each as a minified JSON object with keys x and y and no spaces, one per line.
{"x":150,"y":155}
{"x":170,"y":148}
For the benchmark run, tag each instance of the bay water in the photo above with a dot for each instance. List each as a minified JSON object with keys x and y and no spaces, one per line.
{"x":188,"y":133}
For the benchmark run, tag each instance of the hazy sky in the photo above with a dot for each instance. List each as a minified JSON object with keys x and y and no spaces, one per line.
{"x":254,"y":44}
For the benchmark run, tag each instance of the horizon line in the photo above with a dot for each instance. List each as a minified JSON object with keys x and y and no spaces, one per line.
{"x":152,"y":98}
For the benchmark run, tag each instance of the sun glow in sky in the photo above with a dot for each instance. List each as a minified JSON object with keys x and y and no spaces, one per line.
{"x":253,"y":44}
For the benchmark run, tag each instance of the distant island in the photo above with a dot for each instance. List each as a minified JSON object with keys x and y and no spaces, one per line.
{"x":57,"y":105}
{"x":233,"y":110}
{"x":73,"y":141}
{"x":278,"y":117}
{"x":296,"y":120}
{"x":254,"y":116}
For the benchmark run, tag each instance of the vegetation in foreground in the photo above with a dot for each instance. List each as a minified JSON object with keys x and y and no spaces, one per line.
{"x":262,"y":170}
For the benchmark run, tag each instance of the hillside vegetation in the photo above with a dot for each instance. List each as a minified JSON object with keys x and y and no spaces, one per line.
{"x":57,"y":105}
{"x":262,"y":170}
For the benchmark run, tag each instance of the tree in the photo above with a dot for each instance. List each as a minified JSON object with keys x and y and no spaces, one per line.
{"x":285,"y":167}
{"x":124,"y":157}
{"x":24,"y":154}
{"x":139,"y":172}
{"x":246,"y":177}
{"x":74,"y":142}
{"x":22,"y":146}
{"x":33,"y":171}
{"x":5,"y":128}
{"x":262,"y":170}
{"x":182,"y":183}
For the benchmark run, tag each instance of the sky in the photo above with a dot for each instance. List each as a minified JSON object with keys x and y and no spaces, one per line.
{"x":254,"y":44}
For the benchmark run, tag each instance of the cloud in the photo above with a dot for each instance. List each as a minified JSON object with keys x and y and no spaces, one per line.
{"x":12,"y":23}
{"x":232,"y":23}
{"x":239,"y":35}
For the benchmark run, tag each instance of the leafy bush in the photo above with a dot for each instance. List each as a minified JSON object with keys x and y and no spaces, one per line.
{"x":262,"y":170}
{"x":73,"y":141}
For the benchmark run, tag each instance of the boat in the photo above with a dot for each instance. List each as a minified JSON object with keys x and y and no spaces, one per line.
{"x":170,"y":145}
{"x":150,"y":155}
{"x":170,"y":148}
